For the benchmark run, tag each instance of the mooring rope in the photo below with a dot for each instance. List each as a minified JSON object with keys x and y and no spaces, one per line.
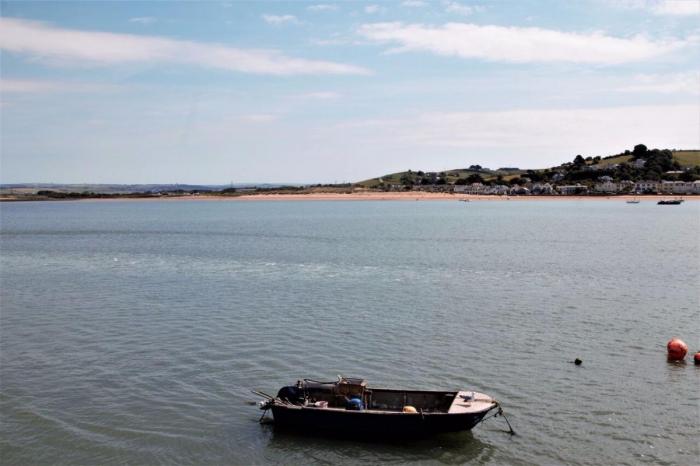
{"x":500,"y":413}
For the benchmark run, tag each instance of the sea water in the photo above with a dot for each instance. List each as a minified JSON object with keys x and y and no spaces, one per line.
{"x":131,"y":332}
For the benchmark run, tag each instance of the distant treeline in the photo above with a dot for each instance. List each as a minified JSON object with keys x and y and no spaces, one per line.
{"x":46,"y":193}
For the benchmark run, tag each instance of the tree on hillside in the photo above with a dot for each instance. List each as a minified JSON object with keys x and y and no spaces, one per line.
{"x":474,"y":178}
{"x":579,"y":161}
{"x":534,"y":176}
{"x":639,"y":151}
{"x":692,"y":174}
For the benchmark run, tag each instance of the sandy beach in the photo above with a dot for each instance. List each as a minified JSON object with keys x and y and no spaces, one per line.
{"x":423,"y":196}
{"x":404,"y":196}
{"x":374,"y":196}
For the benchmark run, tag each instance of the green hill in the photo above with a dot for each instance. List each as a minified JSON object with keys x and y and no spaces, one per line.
{"x":686,"y":158}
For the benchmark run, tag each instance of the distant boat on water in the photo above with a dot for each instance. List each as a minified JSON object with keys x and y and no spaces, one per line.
{"x":633,"y":201}
{"x":670,"y":202}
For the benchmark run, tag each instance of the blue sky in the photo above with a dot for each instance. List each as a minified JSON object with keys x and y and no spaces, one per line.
{"x":214,"y":92}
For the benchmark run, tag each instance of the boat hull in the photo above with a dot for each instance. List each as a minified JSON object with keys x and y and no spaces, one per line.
{"x":371,"y":423}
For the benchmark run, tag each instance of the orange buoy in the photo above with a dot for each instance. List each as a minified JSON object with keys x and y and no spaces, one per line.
{"x":696,"y":358}
{"x":677,"y":349}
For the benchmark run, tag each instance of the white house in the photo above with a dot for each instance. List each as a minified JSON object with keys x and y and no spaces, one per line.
{"x":647,"y":186}
{"x":606,"y":186}
{"x":573,"y":189}
{"x":499,"y":189}
{"x":542,"y":188}
{"x":677,"y":187}
{"x":475,"y":188}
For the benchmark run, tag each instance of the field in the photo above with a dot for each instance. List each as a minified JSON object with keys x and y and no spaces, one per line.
{"x":687,"y":158}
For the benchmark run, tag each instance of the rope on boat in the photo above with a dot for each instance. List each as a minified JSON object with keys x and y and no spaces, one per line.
{"x":263,"y":394}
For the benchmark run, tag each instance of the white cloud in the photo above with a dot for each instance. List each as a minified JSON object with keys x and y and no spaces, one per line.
{"x":677,"y":7}
{"x":540,"y":131}
{"x":516,"y":44}
{"x":414,"y":3}
{"x":458,"y":8}
{"x":143,"y":20}
{"x":74,"y":47}
{"x":322,"y":7}
{"x":280,"y":19}
{"x":372,"y":9}
{"x":685,"y":83}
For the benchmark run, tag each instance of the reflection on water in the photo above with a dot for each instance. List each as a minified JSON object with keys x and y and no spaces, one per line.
{"x":453,"y":448}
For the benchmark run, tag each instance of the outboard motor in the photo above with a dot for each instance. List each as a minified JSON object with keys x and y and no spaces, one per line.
{"x":291,"y":394}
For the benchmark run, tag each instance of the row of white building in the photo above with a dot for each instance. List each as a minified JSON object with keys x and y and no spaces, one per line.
{"x":661,"y":187}
{"x":604,"y":186}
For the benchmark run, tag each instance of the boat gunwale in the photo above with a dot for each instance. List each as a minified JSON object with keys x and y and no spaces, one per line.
{"x":491,"y":406}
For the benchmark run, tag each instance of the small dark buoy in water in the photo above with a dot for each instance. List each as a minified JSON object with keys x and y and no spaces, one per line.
{"x":578,"y":362}
{"x":696,"y":358}
{"x":677,"y":349}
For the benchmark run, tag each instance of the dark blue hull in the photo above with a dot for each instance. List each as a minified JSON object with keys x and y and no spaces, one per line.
{"x":372,"y":423}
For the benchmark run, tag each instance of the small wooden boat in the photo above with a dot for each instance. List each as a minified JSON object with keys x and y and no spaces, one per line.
{"x":670,"y":202}
{"x":349,"y":406}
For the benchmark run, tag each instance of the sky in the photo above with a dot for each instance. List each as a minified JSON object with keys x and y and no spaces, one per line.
{"x":329,"y":92}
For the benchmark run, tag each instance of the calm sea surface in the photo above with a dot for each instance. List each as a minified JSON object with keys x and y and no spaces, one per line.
{"x":131,"y":332}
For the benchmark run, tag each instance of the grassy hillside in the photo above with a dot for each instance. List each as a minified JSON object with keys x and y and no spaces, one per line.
{"x":687,"y":158}
{"x":615,"y":160}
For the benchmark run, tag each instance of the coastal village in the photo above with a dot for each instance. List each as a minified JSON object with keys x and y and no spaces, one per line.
{"x":640,"y":171}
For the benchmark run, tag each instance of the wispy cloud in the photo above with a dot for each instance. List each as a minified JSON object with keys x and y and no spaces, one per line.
{"x":662,"y":7}
{"x":677,"y":7}
{"x":322,"y":7}
{"x":75,"y":47}
{"x":36,"y":86}
{"x":280,"y":19}
{"x":516,"y":44}
{"x":26,"y":86}
{"x":320,"y":95}
{"x":458,"y":8}
{"x":260,"y":117}
{"x":414,"y":3}
{"x":143,"y":20}
{"x":681,"y":83}
{"x":372,"y":9}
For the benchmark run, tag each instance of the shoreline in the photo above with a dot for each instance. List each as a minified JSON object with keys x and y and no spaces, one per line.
{"x":371,"y":196}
